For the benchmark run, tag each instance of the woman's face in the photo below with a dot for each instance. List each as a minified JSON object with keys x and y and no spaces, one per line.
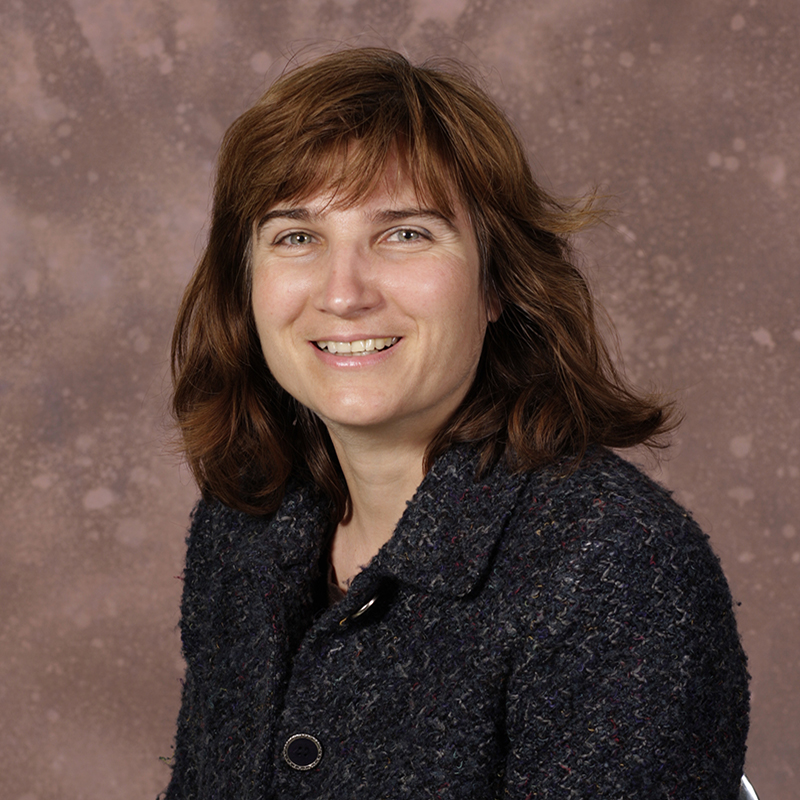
{"x":371,"y":315}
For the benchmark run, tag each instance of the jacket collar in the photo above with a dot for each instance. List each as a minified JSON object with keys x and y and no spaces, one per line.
{"x":445,"y":539}
{"x":298,"y":531}
{"x":443,"y":542}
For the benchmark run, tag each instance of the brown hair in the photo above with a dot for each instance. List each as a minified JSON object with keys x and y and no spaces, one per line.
{"x":545,"y":385}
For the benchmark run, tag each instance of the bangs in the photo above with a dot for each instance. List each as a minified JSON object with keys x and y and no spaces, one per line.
{"x":350,"y":169}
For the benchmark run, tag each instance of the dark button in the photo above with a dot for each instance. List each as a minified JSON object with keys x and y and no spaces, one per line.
{"x":302,"y":751}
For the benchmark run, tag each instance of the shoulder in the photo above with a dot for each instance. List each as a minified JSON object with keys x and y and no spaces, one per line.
{"x":604,"y":480}
{"x":607,"y":533}
{"x":230,"y":536}
{"x":606,"y":501}
{"x":604,"y":555}
{"x":217,"y":536}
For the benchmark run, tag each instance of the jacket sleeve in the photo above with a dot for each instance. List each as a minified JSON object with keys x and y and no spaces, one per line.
{"x":631,"y":682}
{"x":195,"y":623}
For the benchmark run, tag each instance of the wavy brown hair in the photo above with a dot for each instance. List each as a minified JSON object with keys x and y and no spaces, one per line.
{"x":545,"y":385}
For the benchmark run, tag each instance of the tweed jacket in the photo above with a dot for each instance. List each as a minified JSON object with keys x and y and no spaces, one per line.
{"x":540,"y":635}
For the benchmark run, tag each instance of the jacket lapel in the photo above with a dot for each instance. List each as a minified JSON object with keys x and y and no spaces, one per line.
{"x":444,"y":541}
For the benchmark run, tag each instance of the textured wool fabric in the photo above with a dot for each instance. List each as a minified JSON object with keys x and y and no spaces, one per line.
{"x":542,"y":635}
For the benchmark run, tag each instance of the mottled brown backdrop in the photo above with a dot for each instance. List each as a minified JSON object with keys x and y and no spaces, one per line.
{"x":686,"y":112}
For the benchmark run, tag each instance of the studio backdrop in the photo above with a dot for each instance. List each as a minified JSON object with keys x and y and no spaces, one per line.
{"x":685,"y":114}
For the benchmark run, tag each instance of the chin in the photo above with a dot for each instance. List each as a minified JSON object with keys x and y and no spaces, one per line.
{"x":362,"y":420}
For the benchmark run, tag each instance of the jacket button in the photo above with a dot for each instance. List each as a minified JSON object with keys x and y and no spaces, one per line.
{"x":356,"y":614}
{"x":366,"y":607}
{"x":302,"y":751}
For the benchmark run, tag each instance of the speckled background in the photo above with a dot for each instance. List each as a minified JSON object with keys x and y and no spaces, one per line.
{"x":686,"y":113}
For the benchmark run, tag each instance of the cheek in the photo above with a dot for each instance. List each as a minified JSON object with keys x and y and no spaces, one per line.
{"x":276,"y":303}
{"x":271,"y":325}
{"x":445,"y":289}
{"x":262,"y":313}
{"x":461,"y":303}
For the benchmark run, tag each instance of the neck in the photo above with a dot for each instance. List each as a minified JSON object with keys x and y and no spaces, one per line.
{"x":382,"y":478}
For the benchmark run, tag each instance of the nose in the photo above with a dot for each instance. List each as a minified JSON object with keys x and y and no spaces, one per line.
{"x":347,"y":285}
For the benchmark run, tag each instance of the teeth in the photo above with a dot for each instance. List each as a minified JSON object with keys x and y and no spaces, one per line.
{"x":359,"y":347}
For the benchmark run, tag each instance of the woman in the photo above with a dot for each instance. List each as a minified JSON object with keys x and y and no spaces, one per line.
{"x":416,"y":571}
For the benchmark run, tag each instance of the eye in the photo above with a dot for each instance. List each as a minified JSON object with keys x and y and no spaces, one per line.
{"x":296,"y":239}
{"x":406,"y":235}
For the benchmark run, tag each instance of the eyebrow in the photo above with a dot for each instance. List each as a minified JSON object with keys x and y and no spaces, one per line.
{"x":383,"y":215}
{"x":397,"y":215}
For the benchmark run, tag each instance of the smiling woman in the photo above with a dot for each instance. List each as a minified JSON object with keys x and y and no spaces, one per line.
{"x":416,"y":571}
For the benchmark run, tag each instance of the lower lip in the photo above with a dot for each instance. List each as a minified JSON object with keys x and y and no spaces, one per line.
{"x":347,"y":361}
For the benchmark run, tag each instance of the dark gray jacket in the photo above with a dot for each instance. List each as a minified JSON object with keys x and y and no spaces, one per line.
{"x":531,"y":636}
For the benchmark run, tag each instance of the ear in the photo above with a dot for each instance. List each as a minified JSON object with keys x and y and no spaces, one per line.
{"x":494,"y":308}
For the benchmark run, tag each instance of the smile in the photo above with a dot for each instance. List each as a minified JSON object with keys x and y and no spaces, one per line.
{"x":360,"y":347}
